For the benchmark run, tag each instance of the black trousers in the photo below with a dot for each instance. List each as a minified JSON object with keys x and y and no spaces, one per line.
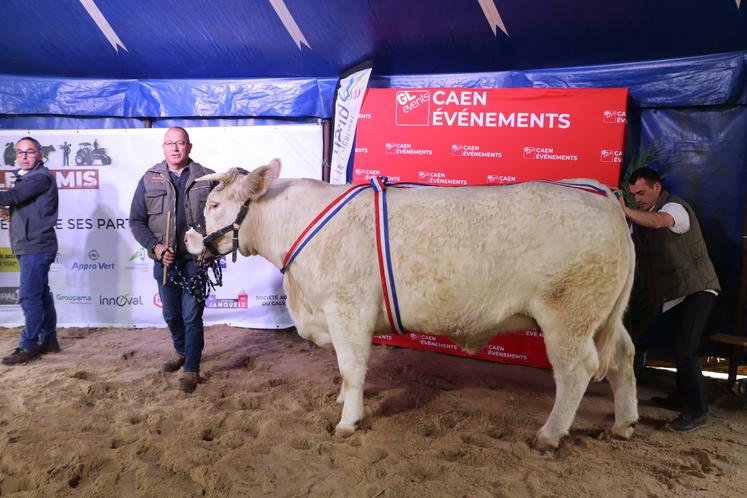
{"x":688,"y":320}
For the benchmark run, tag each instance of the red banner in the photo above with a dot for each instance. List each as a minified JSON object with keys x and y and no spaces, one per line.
{"x":464,"y":136}
{"x":457,"y":136}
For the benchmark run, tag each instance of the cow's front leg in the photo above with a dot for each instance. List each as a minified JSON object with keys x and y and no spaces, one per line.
{"x":341,"y":396}
{"x":352,"y":346}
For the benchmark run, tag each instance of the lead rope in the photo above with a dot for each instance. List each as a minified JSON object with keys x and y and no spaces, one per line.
{"x":200,"y":284}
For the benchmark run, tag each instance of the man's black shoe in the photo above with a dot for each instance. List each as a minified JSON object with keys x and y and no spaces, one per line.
{"x":20,"y":356}
{"x":687,"y":422}
{"x":49,"y":346}
{"x":669,"y":403}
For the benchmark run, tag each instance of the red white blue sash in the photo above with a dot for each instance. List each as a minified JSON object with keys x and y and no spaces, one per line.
{"x":317,"y":223}
{"x":385,"y":260}
{"x":586,"y":187}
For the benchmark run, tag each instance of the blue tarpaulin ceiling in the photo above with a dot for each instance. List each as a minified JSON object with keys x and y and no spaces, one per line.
{"x":282,"y":57}
{"x":166,"y":39}
{"x":70,"y":63}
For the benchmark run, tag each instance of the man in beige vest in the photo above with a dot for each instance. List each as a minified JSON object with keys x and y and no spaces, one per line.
{"x":678,"y":276}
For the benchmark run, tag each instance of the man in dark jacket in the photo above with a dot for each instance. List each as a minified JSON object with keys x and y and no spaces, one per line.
{"x":32,"y":211}
{"x":679,"y":277}
{"x":170,"y":187}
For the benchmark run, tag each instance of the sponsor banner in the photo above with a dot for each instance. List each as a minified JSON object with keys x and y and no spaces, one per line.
{"x":522,"y":348}
{"x":348,"y":99}
{"x":465,"y":136}
{"x":8,"y":295}
{"x":102,"y":276}
{"x":8,"y":262}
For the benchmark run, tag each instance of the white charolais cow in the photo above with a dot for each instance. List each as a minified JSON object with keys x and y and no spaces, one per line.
{"x":468,"y":263}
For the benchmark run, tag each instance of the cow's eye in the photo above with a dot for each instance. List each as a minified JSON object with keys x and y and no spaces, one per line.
{"x":212,"y":205}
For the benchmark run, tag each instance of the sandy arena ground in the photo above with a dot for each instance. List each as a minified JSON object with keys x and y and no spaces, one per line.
{"x":99,"y":419}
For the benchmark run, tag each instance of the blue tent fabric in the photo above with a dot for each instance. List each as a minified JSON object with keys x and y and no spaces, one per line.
{"x":167,"y":98}
{"x":247,"y":39}
{"x":704,"y":80}
{"x":701,"y":153}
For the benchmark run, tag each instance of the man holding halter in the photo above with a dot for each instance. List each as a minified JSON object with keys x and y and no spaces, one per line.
{"x":167,"y":202}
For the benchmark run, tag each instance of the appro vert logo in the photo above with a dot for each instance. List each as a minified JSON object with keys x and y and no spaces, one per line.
{"x":95,"y":264}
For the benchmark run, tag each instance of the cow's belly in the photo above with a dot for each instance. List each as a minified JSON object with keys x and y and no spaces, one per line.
{"x":309,"y":320}
{"x":470,"y":330}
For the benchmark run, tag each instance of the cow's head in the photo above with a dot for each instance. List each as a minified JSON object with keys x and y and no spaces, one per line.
{"x":226,"y":205}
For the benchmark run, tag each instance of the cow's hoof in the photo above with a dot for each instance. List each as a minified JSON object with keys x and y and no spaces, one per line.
{"x":545,"y":444}
{"x":344,"y":431}
{"x":623,"y":431}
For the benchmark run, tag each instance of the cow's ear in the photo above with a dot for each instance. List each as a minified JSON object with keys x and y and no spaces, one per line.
{"x":275,"y":166}
{"x":256,"y":183}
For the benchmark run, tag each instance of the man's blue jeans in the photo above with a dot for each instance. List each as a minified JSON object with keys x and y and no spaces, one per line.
{"x":183,"y":315}
{"x":36,"y":300}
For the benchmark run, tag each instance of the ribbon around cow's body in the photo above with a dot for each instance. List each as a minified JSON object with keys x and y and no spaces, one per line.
{"x":379,"y":184}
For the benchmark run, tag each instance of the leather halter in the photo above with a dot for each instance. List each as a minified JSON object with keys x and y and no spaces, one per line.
{"x":209,"y":239}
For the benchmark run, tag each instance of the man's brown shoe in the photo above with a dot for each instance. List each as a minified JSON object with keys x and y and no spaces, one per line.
{"x":20,"y":356}
{"x":188,"y":382}
{"x":173,"y":364}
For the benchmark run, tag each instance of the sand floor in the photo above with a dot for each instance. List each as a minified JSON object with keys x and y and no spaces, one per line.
{"x":99,"y":419}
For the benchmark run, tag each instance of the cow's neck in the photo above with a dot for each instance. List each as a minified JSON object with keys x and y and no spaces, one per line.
{"x":279,"y":217}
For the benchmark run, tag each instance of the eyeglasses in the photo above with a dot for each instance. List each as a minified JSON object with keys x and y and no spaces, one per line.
{"x":28,"y":152}
{"x":179,"y":143}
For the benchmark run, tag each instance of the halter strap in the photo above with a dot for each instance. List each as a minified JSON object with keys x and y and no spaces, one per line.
{"x":209,"y":239}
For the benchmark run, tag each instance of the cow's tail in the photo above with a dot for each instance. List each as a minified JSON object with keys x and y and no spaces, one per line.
{"x":606,"y":337}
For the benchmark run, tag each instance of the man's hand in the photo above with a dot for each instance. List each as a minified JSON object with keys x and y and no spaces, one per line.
{"x":166,"y":256}
{"x":4,"y":214}
{"x":620,"y":197}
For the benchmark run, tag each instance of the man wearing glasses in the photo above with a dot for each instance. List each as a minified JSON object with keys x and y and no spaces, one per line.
{"x":168,"y":192}
{"x":31,"y":207}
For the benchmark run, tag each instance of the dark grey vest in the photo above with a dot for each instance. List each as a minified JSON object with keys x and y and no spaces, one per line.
{"x":674,"y":265}
{"x":160,"y":198}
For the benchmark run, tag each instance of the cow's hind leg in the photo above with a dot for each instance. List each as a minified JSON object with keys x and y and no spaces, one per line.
{"x":622,"y":381}
{"x":574,"y":364}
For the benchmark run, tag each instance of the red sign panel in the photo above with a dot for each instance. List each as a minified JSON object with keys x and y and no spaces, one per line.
{"x":464,"y":136}
{"x":459,"y":136}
